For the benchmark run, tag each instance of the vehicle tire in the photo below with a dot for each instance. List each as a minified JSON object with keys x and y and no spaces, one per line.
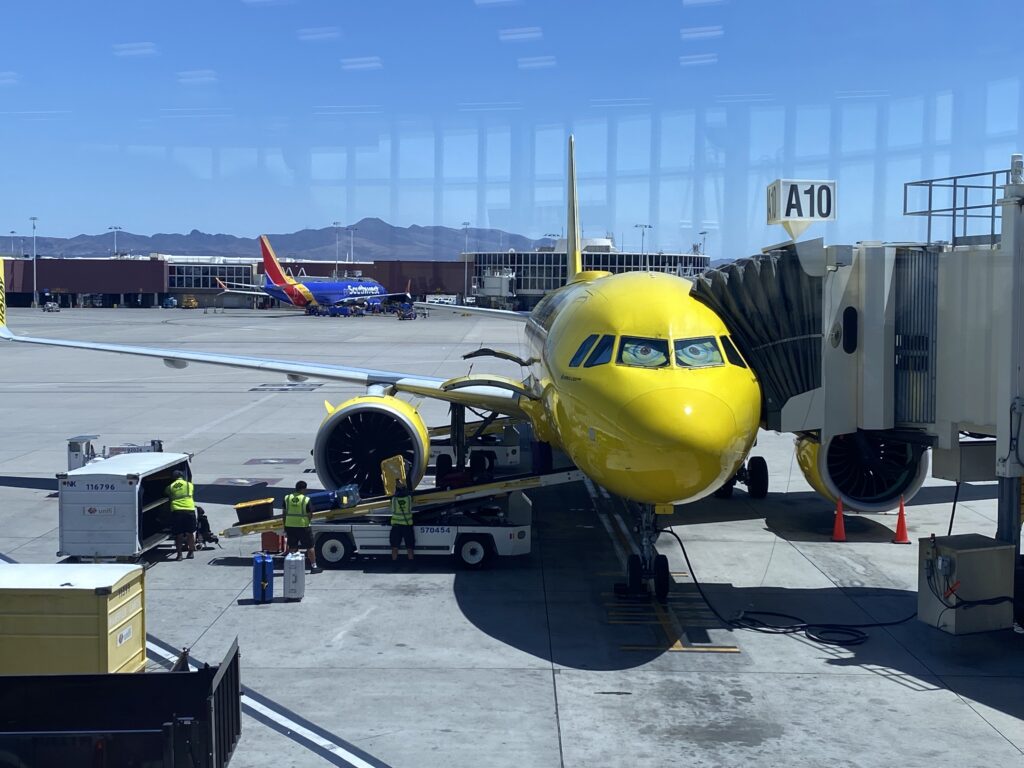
{"x":634,"y":574}
{"x":473,"y":552}
{"x":661,"y":577}
{"x":757,"y":477}
{"x":441,"y":468}
{"x":725,"y":492}
{"x":333,"y":549}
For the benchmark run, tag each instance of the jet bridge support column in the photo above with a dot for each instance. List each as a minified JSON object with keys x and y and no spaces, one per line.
{"x":1009,"y":467}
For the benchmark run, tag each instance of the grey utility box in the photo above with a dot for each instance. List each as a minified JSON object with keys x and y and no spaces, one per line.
{"x":970,"y":567}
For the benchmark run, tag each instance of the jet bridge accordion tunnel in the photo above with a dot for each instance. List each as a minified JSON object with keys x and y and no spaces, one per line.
{"x":801,"y":315}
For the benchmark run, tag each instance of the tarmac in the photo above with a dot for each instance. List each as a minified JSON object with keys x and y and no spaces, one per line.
{"x":536,"y":661}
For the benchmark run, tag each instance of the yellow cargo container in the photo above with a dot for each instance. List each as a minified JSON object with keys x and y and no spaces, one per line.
{"x":72,"y":619}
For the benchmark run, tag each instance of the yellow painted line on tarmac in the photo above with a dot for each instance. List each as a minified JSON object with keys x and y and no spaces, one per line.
{"x":678,"y":647}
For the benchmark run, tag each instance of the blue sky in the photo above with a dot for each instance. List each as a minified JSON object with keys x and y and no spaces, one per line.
{"x":273,"y":115}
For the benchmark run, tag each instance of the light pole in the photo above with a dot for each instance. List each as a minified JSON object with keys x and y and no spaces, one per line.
{"x":13,"y":233}
{"x":337,"y":247}
{"x":703,"y":240}
{"x":465,"y":262}
{"x":35,"y":289}
{"x":115,"y":230}
{"x":351,"y":243}
{"x":643,"y":230}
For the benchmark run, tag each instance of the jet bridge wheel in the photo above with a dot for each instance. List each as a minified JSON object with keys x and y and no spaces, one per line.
{"x":333,"y":549}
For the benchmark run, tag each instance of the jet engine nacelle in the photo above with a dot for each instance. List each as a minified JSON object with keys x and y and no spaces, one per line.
{"x":359,"y":434}
{"x":869,"y":470}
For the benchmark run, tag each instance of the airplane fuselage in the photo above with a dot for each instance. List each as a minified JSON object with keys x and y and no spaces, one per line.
{"x":640,"y":385}
{"x":325,"y":293}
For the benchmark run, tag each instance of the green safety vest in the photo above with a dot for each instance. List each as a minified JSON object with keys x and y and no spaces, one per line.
{"x":296,"y":510}
{"x":401,"y":510}
{"x":180,"y":493}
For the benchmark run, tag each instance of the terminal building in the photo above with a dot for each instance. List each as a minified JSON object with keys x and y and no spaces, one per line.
{"x":519,"y":279}
{"x":513,"y":279}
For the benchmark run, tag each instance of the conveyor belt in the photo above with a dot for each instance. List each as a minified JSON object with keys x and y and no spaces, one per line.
{"x":773,"y":310}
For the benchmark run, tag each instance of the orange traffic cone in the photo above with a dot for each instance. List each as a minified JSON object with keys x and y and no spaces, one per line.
{"x":901,"y":527}
{"x":838,"y":527}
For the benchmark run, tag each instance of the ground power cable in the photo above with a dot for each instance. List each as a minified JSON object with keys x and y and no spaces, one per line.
{"x":776,"y":623}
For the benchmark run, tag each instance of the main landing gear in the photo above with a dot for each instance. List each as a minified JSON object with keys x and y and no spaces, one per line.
{"x":753,"y":474}
{"x":648,"y":565}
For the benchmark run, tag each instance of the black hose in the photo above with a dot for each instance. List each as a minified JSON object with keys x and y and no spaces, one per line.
{"x":956,"y":495}
{"x":775,"y":623}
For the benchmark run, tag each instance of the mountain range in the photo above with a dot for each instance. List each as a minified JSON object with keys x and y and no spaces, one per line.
{"x":373,"y":240}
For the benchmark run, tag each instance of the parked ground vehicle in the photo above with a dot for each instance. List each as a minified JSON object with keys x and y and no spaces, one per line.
{"x":51,"y":306}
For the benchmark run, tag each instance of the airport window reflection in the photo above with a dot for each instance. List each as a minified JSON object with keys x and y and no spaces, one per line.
{"x":602,"y":352}
{"x":698,"y":353}
{"x":206,"y":275}
{"x":582,"y":351}
{"x":644,"y":353}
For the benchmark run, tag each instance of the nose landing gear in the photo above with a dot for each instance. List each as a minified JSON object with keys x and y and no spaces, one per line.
{"x":648,"y":565}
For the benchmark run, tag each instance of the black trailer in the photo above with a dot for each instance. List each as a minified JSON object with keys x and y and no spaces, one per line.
{"x":178,"y":719}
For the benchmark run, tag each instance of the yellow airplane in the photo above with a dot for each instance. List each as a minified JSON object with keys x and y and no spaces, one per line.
{"x":633,"y":378}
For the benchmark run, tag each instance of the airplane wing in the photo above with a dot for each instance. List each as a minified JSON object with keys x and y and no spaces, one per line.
{"x":503,"y":314}
{"x":226,"y":289}
{"x":493,"y":393}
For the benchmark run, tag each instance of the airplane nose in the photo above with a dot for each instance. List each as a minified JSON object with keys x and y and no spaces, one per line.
{"x":682,"y":442}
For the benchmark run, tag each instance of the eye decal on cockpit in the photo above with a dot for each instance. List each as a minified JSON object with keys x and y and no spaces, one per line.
{"x":697,"y":353}
{"x":646,"y":353}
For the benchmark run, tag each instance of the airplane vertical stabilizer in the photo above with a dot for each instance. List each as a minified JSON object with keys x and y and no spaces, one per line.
{"x":572,"y":227}
{"x":271,"y":266}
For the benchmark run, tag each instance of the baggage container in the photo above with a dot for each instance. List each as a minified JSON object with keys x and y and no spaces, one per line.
{"x":255,"y":511}
{"x":72,"y":619}
{"x":294,"y":576}
{"x":262,"y":578}
{"x":117,"y":507}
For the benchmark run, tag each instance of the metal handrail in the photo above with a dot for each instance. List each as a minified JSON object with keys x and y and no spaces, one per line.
{"x":959,"y":213}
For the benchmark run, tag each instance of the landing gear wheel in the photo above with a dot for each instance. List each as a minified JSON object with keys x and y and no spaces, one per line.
{"x":725,"y":492}
{"x":757,"y":477}
{"x":473,"y":552}
{"x":333,"y":549}
{"x":661,"y":577}
{"x":634,"y":574}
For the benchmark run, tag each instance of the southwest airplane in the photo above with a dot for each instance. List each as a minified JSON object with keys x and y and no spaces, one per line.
{"x":634,"y":379}
{"x":321,"y":293}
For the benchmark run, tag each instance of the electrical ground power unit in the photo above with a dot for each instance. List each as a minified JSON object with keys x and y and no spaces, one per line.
{"x":954,"y":572}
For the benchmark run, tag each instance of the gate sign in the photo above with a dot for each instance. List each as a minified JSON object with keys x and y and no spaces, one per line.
{"x":795,"y":204}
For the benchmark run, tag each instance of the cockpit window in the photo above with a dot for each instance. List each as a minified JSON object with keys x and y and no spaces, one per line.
{"x":582,"y":351}
{"x":646,"y":353}
{"x":602,"y":352}
{"x":731,"y":353}
{"x":697,"y":353}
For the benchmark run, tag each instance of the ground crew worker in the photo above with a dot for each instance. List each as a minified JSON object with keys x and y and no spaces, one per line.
{"x":183,"y":513}
{"x":297,"y":522}
{"x":401,"y":522}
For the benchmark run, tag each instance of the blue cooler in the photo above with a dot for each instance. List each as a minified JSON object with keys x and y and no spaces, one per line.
{"x":262,"y":578}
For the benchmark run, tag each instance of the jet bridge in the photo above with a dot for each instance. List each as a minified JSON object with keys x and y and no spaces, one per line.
{"x":874,"y":353}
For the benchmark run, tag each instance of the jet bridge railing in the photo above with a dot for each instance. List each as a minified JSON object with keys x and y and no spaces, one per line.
{"x":969,"y":202}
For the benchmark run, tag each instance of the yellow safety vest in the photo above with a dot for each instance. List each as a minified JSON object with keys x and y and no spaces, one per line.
{"x":296,"y":510}
{"x":401,"y":510}
{"x":180,"y":493}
